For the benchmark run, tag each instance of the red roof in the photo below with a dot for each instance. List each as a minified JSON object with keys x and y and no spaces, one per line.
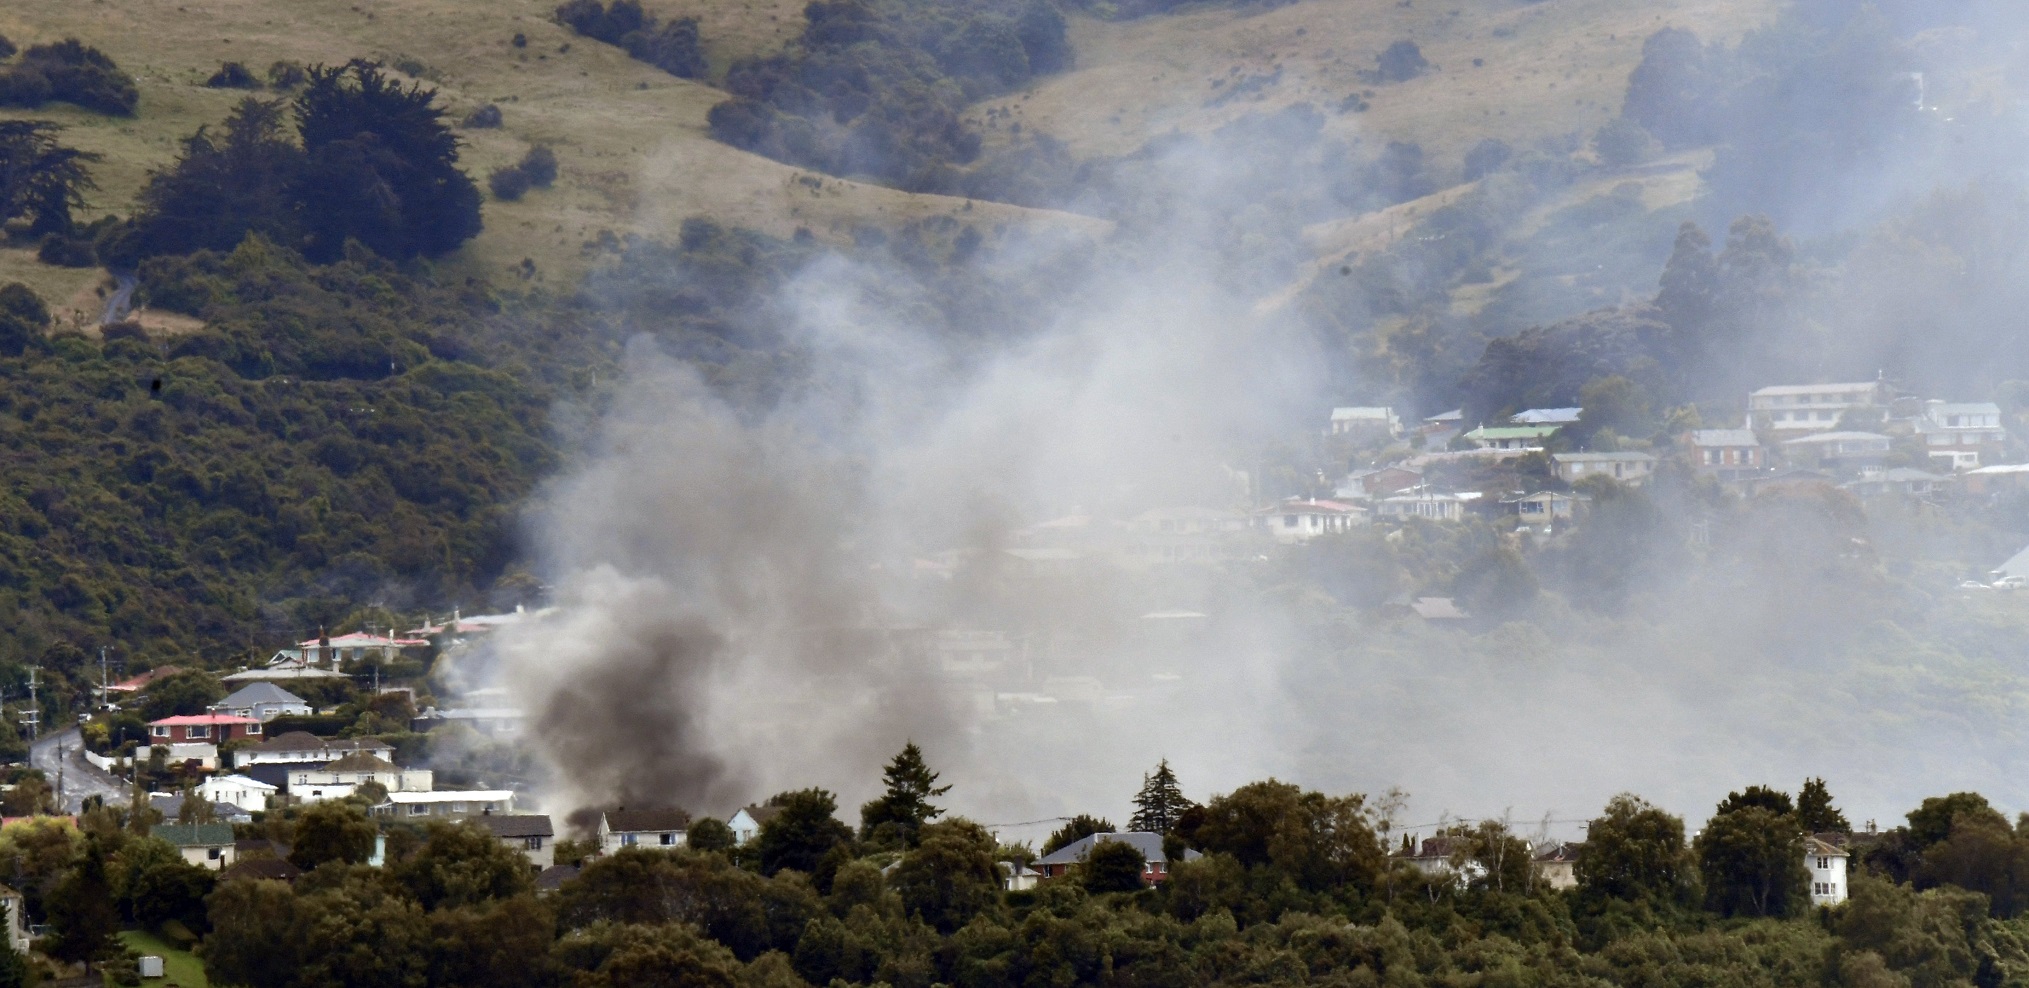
{"x":135,"y":684}
{"x":207,"y":720}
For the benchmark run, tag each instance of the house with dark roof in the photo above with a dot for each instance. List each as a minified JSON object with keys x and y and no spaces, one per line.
{"x":1156,"y":870}
{"x":1725,"y":454}
{"x":530,"y":833}
{"x":746,"y":824}
{"x":207,"y":845}
{"x":261,"y":701}
{"x":663,"y":828}
{"x":260,"y":869}
{"x":553,"y":878}
{"x":343,"y":777}
{"x":1557,"y":864}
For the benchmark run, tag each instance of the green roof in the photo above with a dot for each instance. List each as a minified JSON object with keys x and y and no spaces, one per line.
{"x":193,"y":834}
{"x":1512,"y":432}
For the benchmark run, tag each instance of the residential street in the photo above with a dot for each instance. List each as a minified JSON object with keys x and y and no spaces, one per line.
{"x":80,"y":778}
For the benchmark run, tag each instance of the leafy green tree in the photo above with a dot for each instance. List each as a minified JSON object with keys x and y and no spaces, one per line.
{"x":1751,"y":855}
{"x":898,"y":814}
{"x":1633,"y":850}
{"x":256,"y":935}
{"x":1622,"y":142}
{"x":1934,"y":820}
{"x":505,"y":944}
{"x":462,"y":864}
{"x":381,"y":167}
{"x":332,"y":831}
{"x":1074,"y":830}
{"x":183,"y":694}
{"x":1318,"y":842}
{"x":223,"y":187}
{"x":950,"y":876}
{"x":81,"y":908}
{"x":173,"y":890}
{"x":357,"y":933}
{"x":1160,"y":802}
{"x":1816,"y":812}
{"x":1982,"y":854}
{"x":709,"y":834}
{"x":14,"y":969}
{"x":1114,"y":866}
{"x":801,"y":834}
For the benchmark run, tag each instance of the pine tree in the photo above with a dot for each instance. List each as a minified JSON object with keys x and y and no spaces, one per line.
{"x":905,"y":807}
{"x":1816,"y":812}
{"x":1160,"y":802}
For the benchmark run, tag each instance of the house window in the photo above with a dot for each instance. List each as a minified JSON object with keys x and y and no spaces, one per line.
{"x":533,"y":843}
{"x":627,"y":840}
{"x":1288,"y":521}
{"x":668,"y":840}
{"x":160,"y":732}
{"x":214,"y":853}
{"x":253,"y":728}
{"x":418,"y":809}
{"x":197,"y":731}
{"x":303,"y":779}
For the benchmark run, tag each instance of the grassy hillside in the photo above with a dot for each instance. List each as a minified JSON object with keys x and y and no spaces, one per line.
{"x":1549,"y":68}
{"x":631,"y":139}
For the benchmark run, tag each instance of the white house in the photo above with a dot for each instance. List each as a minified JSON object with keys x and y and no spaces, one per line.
{"x":247,"y":794}
{"x":494,"y":722}
{"x":530,"y":833}
{"x":1375,"y":421}
{"x":1794,"y":408}
{"x":1017,"y":877}
{"x":1628,"y":468}
{"x":1956,"y":434}
{"x":262,"y":701}
{"x":1303,"y":519}
{"x":1546,"y":416}
{"x":297,"y":747}
{"x":660,"y":828}
{"x":341,"y":778}
{"x":206,"y":845}
{"x":1827,"y":865}
{"x":358,"y":646}
{"x":1850,"y":451}
{"x":746,"y":824}
{"x":1512,"y":436}
{"x":17,"y":920}
{"x":1425,"y":503}
{"x":452,"y":803}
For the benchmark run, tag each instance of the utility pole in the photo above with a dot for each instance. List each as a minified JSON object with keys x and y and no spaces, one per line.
{"x":102,"y":677}
{"x":32,"y":718}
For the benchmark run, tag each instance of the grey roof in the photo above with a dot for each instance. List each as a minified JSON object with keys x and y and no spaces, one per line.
{"x":2017,"y":565}
{"x":261,"y":869}
{"x":554,"y":876}
{"x":625,"y":821}
{"x":281,"y":673}
{"x":1835,"y":437}
{"x":1814,"y":389}
{"x":1724,"y":437}
{"x":516,"y":824}
{"x":1546,"y":416}
{"x":262,"y":692}
{"x":1964,"y":408}
{"x":194,"y":834}
{"x":306,"y":741}
{"x":360,"y":761}
{"x":1150,"y":846}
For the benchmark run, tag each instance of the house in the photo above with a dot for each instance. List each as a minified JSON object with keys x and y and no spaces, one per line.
{"x":1954,"y":435}
{"x":1851,"y":452}
{"x":494,"y":722}
{"x":170,"y":805}
{"x":1557,"y":864}
{"x":530,"y":833}
{"x":1185,"y":534}
{"x":1368,"y":422}
{"x":1511,"y":436}
{"x":261,"y":701}
{"x":1439,"y":430}
{"x":747,"y":822}
{"x":553,"y":878}
{"x":1300,"y":520}
{"x":288,"y":671}
{"x":1542,"y":509}
{"x":262,"y":869}
{"x":1379,"y":483}
{"x":1154,"y":872}
{"x":1725,"y":454}
{"x":1997,"y":479}
{"x":207,"y":845}
{"x":1546,"y":416}
{"x":1017,"y":877}
{"x":247,"y":794}
{"x":1795,"y":408}
{"x":1424,"y":503}
{"x":1900,"y":481}
{"x":298,"y":747}
{"x":203,"y":729}
{"x":2017,"y":565}
{"x":341,"y":778}
{"x":354,"y":648}
{"x":446,"y":803}
{"x":1627,"y":468}
{"x":1445,"y":856}
{"x":1827,"y":865}
{"x":17,"y":920}
{"x":663,"y":828}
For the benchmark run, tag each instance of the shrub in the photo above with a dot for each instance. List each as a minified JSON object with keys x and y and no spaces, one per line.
{"x":72,"y":73}
{"x":66,"y":252}
{"x":540,"y":165}
{"x":508,"y":184}
{"x":232,"y":75}
{"x":7,"y":48}
{"x":286,"y":75}
{"x":520,"y":40}
{"x":485,"y":118}
{"x":1402,"y":62}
